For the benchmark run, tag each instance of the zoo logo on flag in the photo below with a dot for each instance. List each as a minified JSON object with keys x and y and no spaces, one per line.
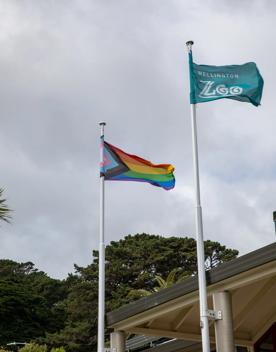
{"x":210,"y":90}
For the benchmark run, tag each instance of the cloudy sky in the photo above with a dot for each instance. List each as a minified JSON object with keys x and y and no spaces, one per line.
{"x":66,"y":65}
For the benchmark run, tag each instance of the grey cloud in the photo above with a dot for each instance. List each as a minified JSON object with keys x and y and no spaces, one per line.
{"x":67,"y":65}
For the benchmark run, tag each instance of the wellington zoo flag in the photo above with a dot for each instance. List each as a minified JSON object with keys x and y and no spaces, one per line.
{"x":120,"y":166}
{"x":238,"y":82}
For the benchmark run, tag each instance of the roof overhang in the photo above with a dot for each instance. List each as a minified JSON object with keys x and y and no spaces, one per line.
{"x":174,"y":312}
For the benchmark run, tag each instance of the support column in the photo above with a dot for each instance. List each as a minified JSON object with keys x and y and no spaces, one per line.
{"x":224,"y":327}
{"x":117,"y":341}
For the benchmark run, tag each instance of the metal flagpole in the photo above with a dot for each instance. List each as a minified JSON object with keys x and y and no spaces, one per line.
{"x":101,"y":294}
{"x":199,"y":234}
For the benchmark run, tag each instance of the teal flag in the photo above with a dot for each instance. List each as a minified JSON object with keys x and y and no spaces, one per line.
{"x":238,"y":82}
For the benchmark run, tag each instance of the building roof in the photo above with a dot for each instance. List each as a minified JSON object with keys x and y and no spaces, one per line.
{"x":224,"y":271}
{"x":174,"y":312}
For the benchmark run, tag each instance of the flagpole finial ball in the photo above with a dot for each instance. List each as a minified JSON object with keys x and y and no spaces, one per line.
{"x":102,"y":123}
{"x":189,"y":43}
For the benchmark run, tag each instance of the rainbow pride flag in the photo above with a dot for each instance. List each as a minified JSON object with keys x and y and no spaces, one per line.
{"x":120,"y":166}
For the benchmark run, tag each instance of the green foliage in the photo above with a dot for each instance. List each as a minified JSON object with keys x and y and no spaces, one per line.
{"x":135,"y":266}
{"x":216,"y":254}
{"x":4,"y":209}
{"x":33,"y":347}
{"x":171,"y":279}
{"x":54,"y":313}
{"x":30,"y":302}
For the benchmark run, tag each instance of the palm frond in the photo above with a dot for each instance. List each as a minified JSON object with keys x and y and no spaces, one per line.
{"x":171,"y":278}
{"x":138,"y":293}
{"x":161,"y":282}
{"x":4,"y":209}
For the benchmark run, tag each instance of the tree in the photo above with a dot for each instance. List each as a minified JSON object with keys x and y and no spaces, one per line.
{"x":216,"y":254}
{"x":171,"y":279}
{"x":29,"y":302}
{"x":136,"y":262}
{"x":4,"y":209}
{"x":35,"y":307}
{"x":33,"y":347}
{"x":79,"y":333}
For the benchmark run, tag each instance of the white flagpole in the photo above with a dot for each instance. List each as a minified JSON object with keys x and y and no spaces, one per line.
{"x":101,"y":294}
{"x":199,"y":236}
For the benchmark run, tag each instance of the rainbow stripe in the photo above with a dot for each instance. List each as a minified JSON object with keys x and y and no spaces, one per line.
{"x":120,"y":166}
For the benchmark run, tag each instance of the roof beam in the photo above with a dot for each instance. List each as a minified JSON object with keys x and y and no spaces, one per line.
{"x":262,"y":328}
{"x":182,"y":316}
{"x":156,"y":312}
{"x":241,"y":317}
{"x":149,"y":323}
{"x":190,"y":336}
{"x":168,"y":333}
{"x":245,"y":278}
